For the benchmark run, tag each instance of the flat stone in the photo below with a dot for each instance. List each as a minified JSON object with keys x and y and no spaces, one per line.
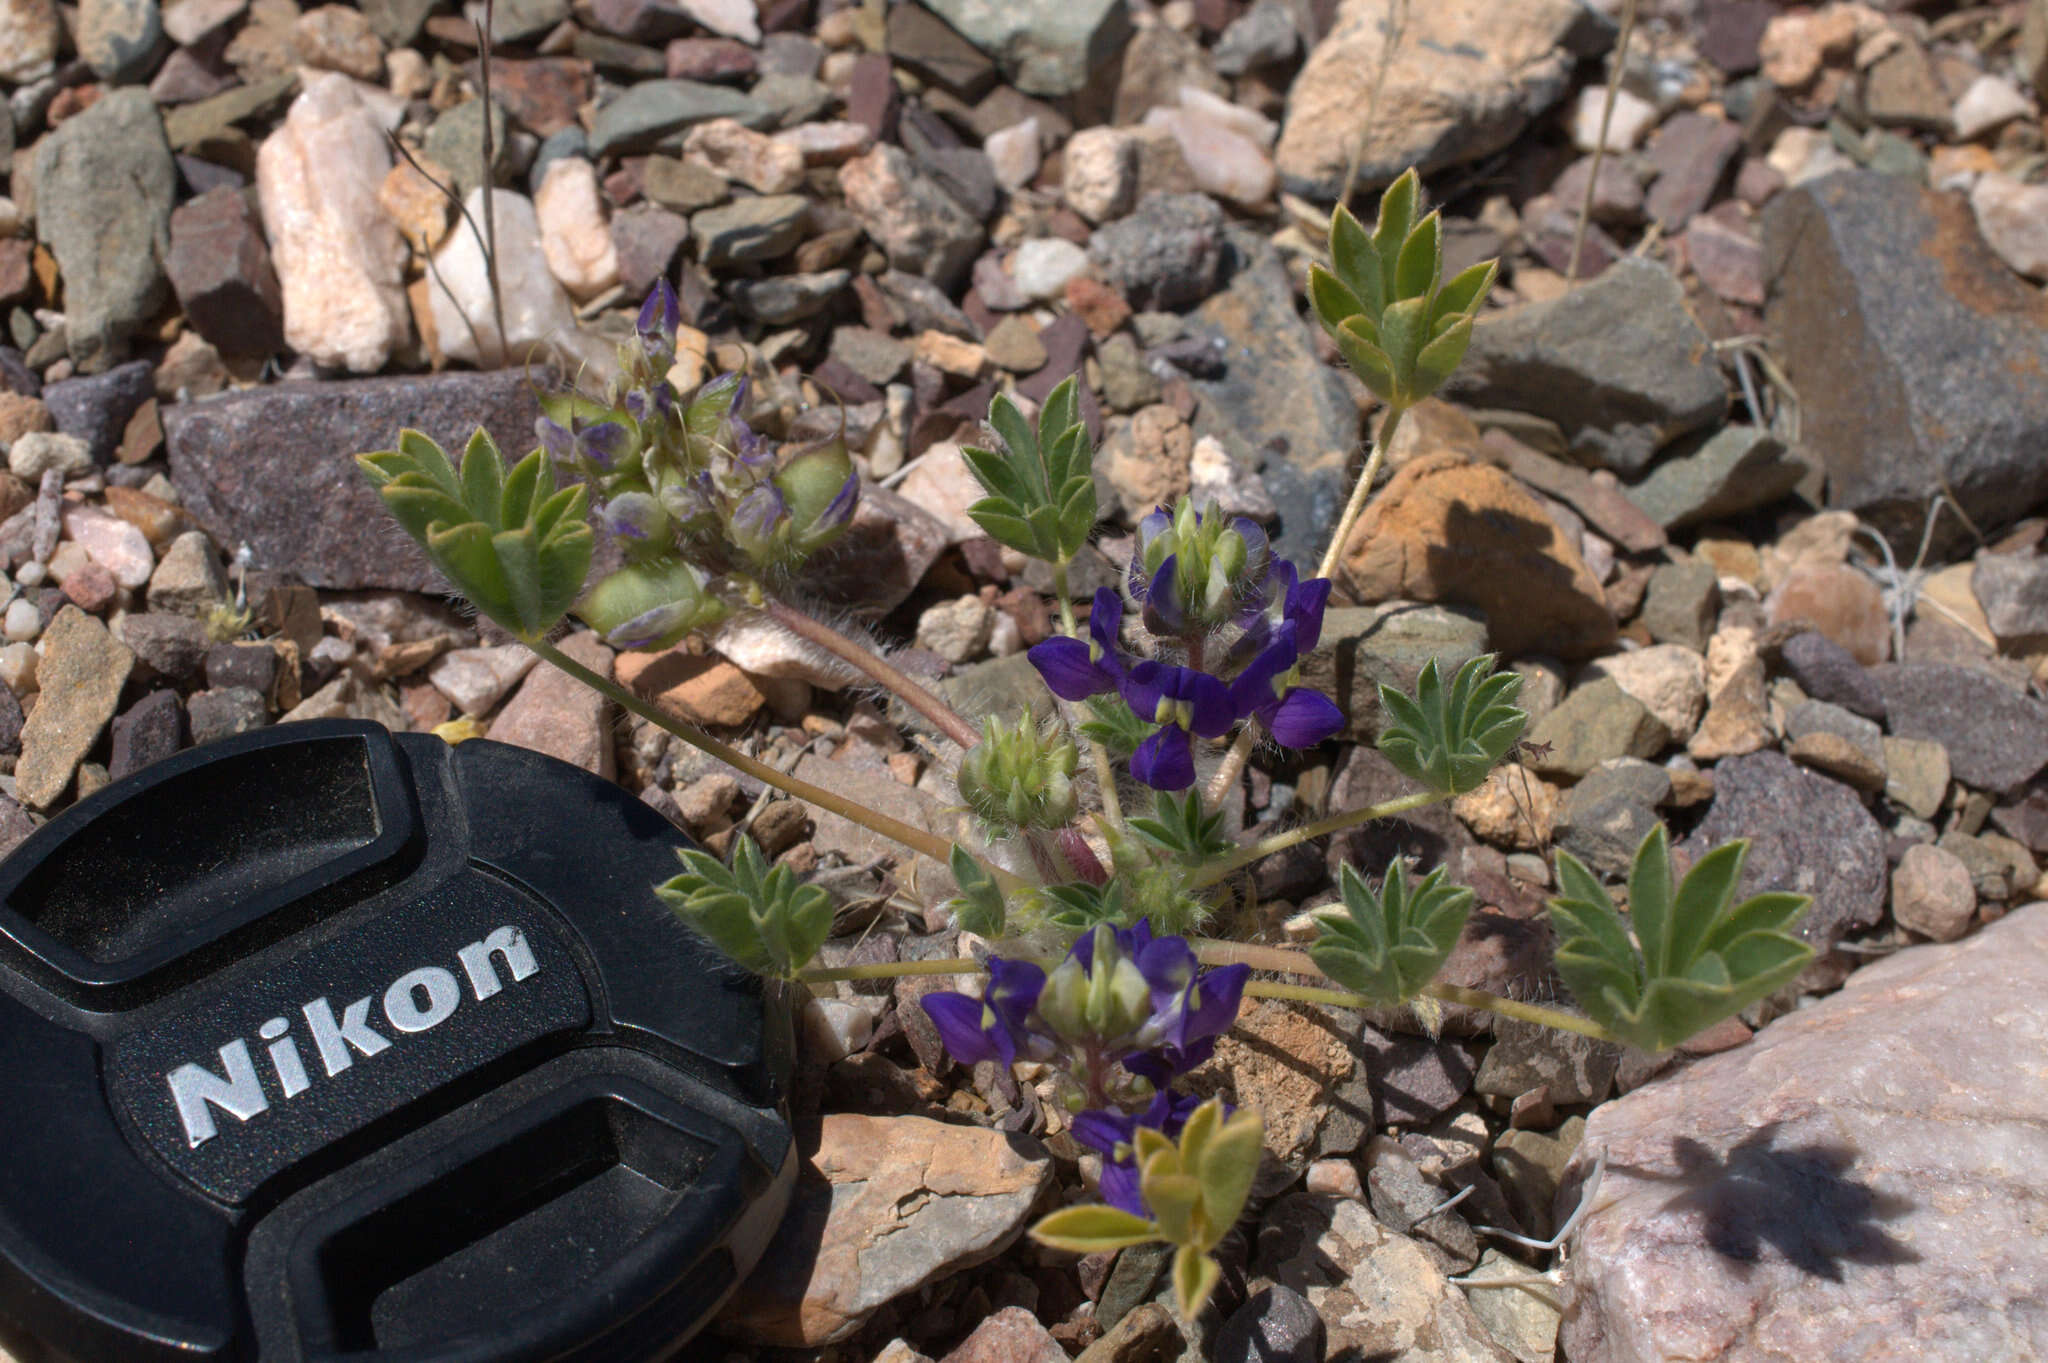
{"x":1525,"y":1056}
{"x":104,"y":187}
{"x":1870,"y":274}
{"x":1827,"y":671}
{"x":921,"y":228}
{"x":475,"y":679}
{"x":1166,"y":254}
{"x":81,"y":674}
{"x":97,"y":409}
{"x":1597,"y":722}
{"x":2013,"y":589}
{"x":1275,"y":401}
{"x":1043,"y":48}
{"x":1807,"y":834}
{"x":1445,"y":529}
{"x":555,"y":714}
{"x":1861,"y":1173}
{"x":224,"y":712}
{"x":1607,"y":815}
{"x":220,"y":269}
{"x":274,"y":467}
{"x":1932,"y":893}
{"x":1838,"y":602}
{"x":1690,"y":152}
{"x":649,"y":112}
{"x":883,"y":1206}
{"x":1618,"y":364}
{"x":1996,"y":738}
{"x":1916,"y":775}
{"x":148,"y":731}
{"x":1737,"y":469}
{"x":169,"y":646}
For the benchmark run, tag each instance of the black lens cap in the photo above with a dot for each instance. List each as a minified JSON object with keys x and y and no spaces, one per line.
{"x":327,"y":1043}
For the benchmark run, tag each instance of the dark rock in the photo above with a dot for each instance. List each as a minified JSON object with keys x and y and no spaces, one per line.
{"x":97,"y":409}
{"x":712,"y":59}
{"x":120,"y":39}
{"x":1618,"y":364}
{"x":104,"y":187}
{"x":924,"y":305}
{"x":1691,"y":151}
{"x":172,"y":647}
{"x":1607,"y":815}
{"x":454,"y":141}
{"x":1276,"y":1325}
{"x":152,"y":729}
{"x":1729,"y":33}
{"x":646,"y":238}
{"x":1806,"y":834}
{"x":780,"y":300}
{"x":542,"y":94}
{"x":1901,"y":88}
{"x":1996,"y":738}
{"x":640,"y":21}
{"x":1681,"y":604}
{"x":220,"y":268}
{"x":929,"y":49}
{"x":16,"y":376}
{"x":223,"y":714}
{"x":786,"y":100}
{"x":872,"y":96}
{"x":1264,"y":35}
{"x":10,"y":722}
{"x":1044,"y":47}
{"x":250,"y":665}
{"x":1827,"y":671}
{"x":275,"y":467}
{"x":1872,"y":275}
{"x":616,"y":56}
{"x":398,"y":22}
{"x":651,"y":111}
{"x":15,"y":824}
{"x":1364,"y":648}
{"x":762,"y":227}
{"x":1525,"y":1056}
{"x":518,"y":21}
{"x":1275,"y":397}
{"x":1737,"y":469}
{"x":1166,"y":255}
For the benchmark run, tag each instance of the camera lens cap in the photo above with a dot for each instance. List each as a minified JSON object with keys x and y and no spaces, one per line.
{"x":326,"y":1043}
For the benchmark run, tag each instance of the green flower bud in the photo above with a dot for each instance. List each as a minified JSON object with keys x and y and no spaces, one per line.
{"x":1218,"y":562}
{"x":1020,"y":776}
{"x":650,"y":605}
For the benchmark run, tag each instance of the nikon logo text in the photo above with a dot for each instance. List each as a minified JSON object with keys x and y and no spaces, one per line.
{"x":417,"y":1001}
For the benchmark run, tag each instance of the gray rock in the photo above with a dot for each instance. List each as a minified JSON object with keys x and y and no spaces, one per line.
{"x":1275,"y":400}
{"x":1618,"y":364}
{"x":782,"y":299}
{"x":1366,"y":647}
{"x":225,"y":712}
{"x":2013,"y":590}
{"x":120,"y":39}
{"x":1264,"y":35}
{"x":925,"y":306}
{"x":1933,"y":893}
{"x":398,"y":22}
{"x":1044,"y":47}
{"x":1131,"y":1280}
{"x":1827,"y":671}
{"x":517,"y":21}
{"x":274,"y":467}
{"x":97,"y":409}
{"x":1525,"y":1057}
{"x":1167,"y":254}
{"x":1596,"y":723}
{"x":1871,"y":275}
{"x":921,"y":228}
{"x":172,"y":647}
{"x":35,"y":453}
{"x":1530,"y":1166}
{"x":1806,"y":834}
{"x":1521,"y":1320}
{"x":104,"y":185}
{"x":1916,"y":775}
{"x":1609,"y":813}
{"x":454,"y":141}
{"x":759,"y":228}
{"x":188,"y":579}
{"x":82,"y":671}
{"x":1407,"y":1203}
{"x":1681,"y":604}
{"x":148,"y":731}
{"x":1996,"y":737}
{"x":1690,"y":151}
{"x":15,"y":824}
{"x":11,"y":720}
{"x":1864,"y":1173}
{"x":1990,"y":873}
{"x":786,"y":100}
{"x":1737,"y":469}
{"x":1276,"y":1325}
{"x":647,"y":113}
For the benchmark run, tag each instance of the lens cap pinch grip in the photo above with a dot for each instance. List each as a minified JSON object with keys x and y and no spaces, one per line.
{"x":326,"y":1043}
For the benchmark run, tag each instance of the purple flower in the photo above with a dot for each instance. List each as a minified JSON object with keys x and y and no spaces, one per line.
{"x":660,"y":315}
{"x":1296,"y":716}
{"x":1180,"y":701}
{"x":1115,"y":1135}
{"x":1075,"y":670}
{"x":598,"y":442}
{"x":839,"y":510}
{"x":991,"y":1027}
{"x":1302,"y":604}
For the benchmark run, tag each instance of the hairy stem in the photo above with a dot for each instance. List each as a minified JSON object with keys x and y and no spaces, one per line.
{"x":1233,"y":766}
{"x":1614,"y":73}
{"x":1335,"y":823}
{"x":1356,"y":506}
{"x":890,"y":970}
{"x":916,"y":839}
{"x":1105,"y":774}
{"x":1449,"y":993}
{"x":905,"y":688}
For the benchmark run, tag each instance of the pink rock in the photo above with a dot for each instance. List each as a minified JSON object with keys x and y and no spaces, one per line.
{"x":828,"y":144}
{"x":112,"y":543}
{"x":1841,"y":603}
{"x":573,"y":232}
{"x":560,"y":716}
{"x":765,"y":164}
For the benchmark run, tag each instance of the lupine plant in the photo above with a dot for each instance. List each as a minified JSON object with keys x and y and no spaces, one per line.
{"x":1085,"y":919}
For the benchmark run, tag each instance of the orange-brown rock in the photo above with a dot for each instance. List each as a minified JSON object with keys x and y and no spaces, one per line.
{"x":1446,"y":529}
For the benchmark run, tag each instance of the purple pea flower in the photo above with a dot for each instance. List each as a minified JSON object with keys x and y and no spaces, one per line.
{"x":1074,"y":670}
{"x":1296,"y":716}
{"x":1180,"y":701}
{"x":598,"y":442}
{"x":992,"y":1027}
{"x":660,"y":315}
{"x":1115,"y":1135}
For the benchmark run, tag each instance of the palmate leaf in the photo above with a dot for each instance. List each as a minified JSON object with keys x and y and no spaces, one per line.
{"x":979,"y":909}
{"x":1179,"y":827}
{"x":516,"y":546}
{"x":1388,"y":946}
{"x":1041,"y":485}
{"x":1112,"y":724}
{"x":762,"y":918}
{"x":1697,"y":957}
{"x":1450,"y":737}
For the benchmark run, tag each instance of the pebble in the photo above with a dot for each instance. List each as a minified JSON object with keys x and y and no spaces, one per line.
{"x":189,"y":580}
{"x":957,"y":631}
{"x":535,"y":306}
{"x":1014,"y":154}
{"x":554,"y":714}
{"x":1275,"y":1325}
{"x":29,"y":31}
{"x":1840,"y":603}
{"x":767,"y":165}
{"x":574,"y":235}
{"x":1167,"y":254}
{"x":1669,"y":679}
{"x":112,"y":543}
{"x":754,"y":229}
{"x":339,"y":258}
{"x":2013,"y":216}
{"x":1630,"y":123}
{"x":36,"y":452}
{"x":921,"y":228}
{"x":221,"y":271}
{"x":1042,"y":266}
{"x":82,"y":671}
{"x":1932,"y":893}
{"x":1224,"y":146}
{"x":23,"y":621}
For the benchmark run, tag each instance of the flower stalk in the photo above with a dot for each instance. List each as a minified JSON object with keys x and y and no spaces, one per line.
{"x":899,"y":683}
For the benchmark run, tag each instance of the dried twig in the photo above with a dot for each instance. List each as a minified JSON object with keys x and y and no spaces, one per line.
{"x":1615,"y":70}
{"x":483,"y":63}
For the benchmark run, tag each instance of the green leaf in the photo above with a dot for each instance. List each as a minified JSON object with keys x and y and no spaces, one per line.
{"x":1439,"y":359}
{"x":1179,"y":827}
{"x":764,"y":919}
{"x":1404,"y":330}
{"x":1415,"y":273}
{"x":995,"y":474}
{"x":1078,"y":907}
{"x":979,"y":909}
{"x":1113,"y":725}
{"x":1389,"y":946}
{"x":483,"y":478}
{"x":1396,"y":221}
{"x":1466,"y":290}
{"x":1449,"y":738}
{"x":1041,"y":488}
{"x":1195,"y":1276}
{"x":1093,"y":1230}
{"x":1357,"y":265}
{"x":1362,"y":352}
{"x":1697,"y":957}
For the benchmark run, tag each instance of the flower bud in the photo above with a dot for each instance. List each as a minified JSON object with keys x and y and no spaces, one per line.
{"x":638,"y":522}
{"x":1020,"y":776}
{"x":1193,"y":570}
{"x":649,"y":605}
{"x":820,"y":485}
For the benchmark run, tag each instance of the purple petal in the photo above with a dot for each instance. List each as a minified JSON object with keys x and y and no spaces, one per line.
{"x":1304,"y":610}
{"x":1106,"y":624}
{"x":839,"y":510}
{"x":1213,"y":712}
{"x":1303,"y":718}
{"x":1213,"y":1000}
{"x":661,"y":313}
{"x":1013,"y":989}
{"x":1259,"y":550}
{"x":1069,"y":670}
{"x":554,"y":438}
{"x":1102,"y":1130}
{"x":1120,"y":1188}
{"x":1143,"y":687}
{"x":602,"y":443}
{"x":1252,"y":692}
{"x":1168,"y":964}
{"x":968,"y":1028}
{"x":1164,"y":613}
{"x":1164,"y":761}
{"x":761,"y":511}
